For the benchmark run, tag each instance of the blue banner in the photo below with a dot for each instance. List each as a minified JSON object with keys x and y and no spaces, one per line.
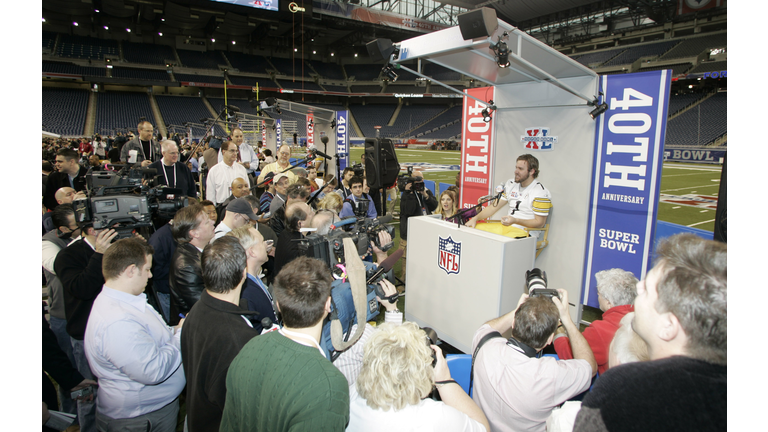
{"x":279,"y":133}
{"x":697,"y":155}
{"x":342,"y":138}
{"x":626,"y":177}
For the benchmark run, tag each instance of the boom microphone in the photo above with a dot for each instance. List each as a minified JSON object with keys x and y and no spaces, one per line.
{"x":318,"y":152}
{"x":385,"y":219}
{"x":385,"y":266}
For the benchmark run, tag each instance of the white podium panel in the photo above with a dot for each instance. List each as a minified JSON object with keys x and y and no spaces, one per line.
{"x":459,"y":278}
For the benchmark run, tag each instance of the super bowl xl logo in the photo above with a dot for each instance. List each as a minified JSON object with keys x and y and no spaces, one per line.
{"x":537,"y":138}
{"x":449,"y":255}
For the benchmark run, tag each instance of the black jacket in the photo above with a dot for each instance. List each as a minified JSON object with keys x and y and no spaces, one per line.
{"x":78,"y":267}
{"x":412,"y":204}
{"x":57,"y":364}
{"x":184,"y":179}
{"x":213,"y":335}
{"x":57,"y":180}
{"x":185,"y":279}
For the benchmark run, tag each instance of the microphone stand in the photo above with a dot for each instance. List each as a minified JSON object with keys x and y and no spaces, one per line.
{"x":460,"y":214}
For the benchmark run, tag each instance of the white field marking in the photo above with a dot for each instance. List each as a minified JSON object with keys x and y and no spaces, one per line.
{"x":703,"y":211}
{"x":692,"y":187}
{"x":677,"y":207}
{"x":716,"y":180}
{"x":699,"y":223}
{"x":688,"y":175}
{"x":691,"y":167}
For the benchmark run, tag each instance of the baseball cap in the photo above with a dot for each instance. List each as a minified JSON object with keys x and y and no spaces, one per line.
{"x":242,"y":206}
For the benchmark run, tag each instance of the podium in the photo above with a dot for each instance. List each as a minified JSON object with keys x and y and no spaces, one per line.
{"x":457,"y":278}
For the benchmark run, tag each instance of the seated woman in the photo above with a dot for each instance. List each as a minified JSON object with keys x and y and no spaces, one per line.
{"x":449,"y":205}
{"x":391,"y":392}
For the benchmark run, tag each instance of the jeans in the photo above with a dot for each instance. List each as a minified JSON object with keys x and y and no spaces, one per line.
{"x":86,"y":411}
{"x":165,"y":304}
{"x":59,"y":328}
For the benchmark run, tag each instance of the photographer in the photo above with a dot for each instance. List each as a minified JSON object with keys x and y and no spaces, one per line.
{"x":516,"y":389}
{"x":397,"y":376}
{"x":350,"y":203}
{"x":415,"y":201}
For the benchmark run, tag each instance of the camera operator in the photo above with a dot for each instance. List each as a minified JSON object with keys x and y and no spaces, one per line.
{"x":415,"y":201}
{"x":396,"y":378}
{"x":516,"y":389}
{"x":350,"y":203}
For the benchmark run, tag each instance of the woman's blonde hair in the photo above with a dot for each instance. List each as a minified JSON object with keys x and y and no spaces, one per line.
{"x":455,"y":208}
{"x":397,"y":367}
{"x":331,"y":201}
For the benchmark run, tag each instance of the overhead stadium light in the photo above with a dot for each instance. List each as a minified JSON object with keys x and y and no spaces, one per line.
{"x":599,"y":109}
{"x":486,"y":113}
{"x":501,"y":51}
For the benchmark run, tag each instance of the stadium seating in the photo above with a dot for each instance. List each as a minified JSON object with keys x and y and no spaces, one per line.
{"x":178,"y":110}
{"x":633,"y":53}
{"x":453,"y":114}
{"x":305,"y":85}
{"x":440,"y":73}
{"x":148,"y":53}
{"x":677,"y":69}
{"x":86,"y":47}
{"x":411,"y":117}
{"x":694,"y":46}
{"x":678,"y":102}
{"x":701,"y":124}
{"x":715,"y":66}
{"x":247,"y":63}
{"x":71,"y":68}
{"x":362,"y":72}
{"x":49,"y":40}
{"x":376,"y":88}
{"x":64,"y":111}
{"x":290,"y":67}
{"x":408,"y":89}
{"x":327,"y":70}
{"x":368,"y":116}
{"x":201,"y":59}
{"x":252,"y":81}
{"x":117,"y":111}
{"x":200,"y":78}
{"x":333,"y":88}
{"x":598,"y":58}
{"x":141,"y":74}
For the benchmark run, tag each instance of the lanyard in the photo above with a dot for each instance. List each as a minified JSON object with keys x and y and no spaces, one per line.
{"x":285,"y":332}
{"x":260,"y":284}
{"x":165,"y":173}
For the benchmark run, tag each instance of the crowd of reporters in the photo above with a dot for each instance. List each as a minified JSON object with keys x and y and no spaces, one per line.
{"x":210,"y":284}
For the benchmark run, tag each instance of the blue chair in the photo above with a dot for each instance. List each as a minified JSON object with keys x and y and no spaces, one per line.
{"x":460,"y":366}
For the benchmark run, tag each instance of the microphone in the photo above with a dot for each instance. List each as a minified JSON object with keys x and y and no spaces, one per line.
{"x":499,"y":193}
{"x":316,"y":151}
{"x":268,"y":326}
{"x":324,"y":139}
{"x":384,"y":219}
{"x":233,"y":108}
{"x":385,"y":266}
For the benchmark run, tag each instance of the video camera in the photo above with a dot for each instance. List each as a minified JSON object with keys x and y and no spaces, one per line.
{"x":404,"y":180}
{"x":128,"y":199}
{"x":536,"y":284}
{"x":329,"y":248}
{"x":359,"y":170}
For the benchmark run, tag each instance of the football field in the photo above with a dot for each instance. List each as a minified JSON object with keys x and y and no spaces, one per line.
{"x":688,"y":191}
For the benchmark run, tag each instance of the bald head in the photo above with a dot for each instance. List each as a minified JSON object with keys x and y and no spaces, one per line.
{"x":240,"y":188}
{"x":65,"y":195}
{"x":297,"y":214}
{"x":322,"y":221}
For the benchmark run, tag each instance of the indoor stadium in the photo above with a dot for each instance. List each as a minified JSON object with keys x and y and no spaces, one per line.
{"x":177,"y":121}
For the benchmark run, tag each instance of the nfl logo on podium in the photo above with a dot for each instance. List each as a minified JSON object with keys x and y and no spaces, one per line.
{"x":449,"y":255}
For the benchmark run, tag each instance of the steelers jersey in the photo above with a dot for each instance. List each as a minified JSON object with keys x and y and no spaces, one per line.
{"x":525,"y":204}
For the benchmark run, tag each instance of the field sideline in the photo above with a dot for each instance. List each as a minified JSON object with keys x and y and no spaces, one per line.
{"x":688,"y":191}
